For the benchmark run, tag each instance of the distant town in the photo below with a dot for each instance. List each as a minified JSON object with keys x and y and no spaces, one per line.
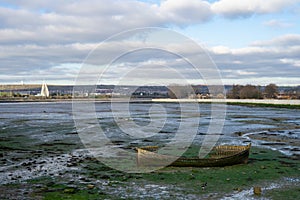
{"x":43,"y":91}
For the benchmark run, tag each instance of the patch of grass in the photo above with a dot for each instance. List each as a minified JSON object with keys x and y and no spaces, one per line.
{"x":76,"y":195}
{"x":42,"y":179}
{"x":290,"y":106}
{"x":264,"y":165}
{"x":285,"y":193}
{"x":55,"y":189}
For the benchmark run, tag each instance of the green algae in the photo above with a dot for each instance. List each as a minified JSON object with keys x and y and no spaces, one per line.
{"x":264,"y":167}
{"x":289,"y":106}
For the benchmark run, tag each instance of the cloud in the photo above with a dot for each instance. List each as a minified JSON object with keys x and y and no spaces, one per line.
{"x":277,"y":24}
{"x":50,"y":38}
{"x":294,"y":62}
{"x":274,"y":59}
{"x":92,"y":20}
{"x":183,"y":12}
{"x":220,"y":50}
{"x":245,"y":8}
{"x":283,"y":40}
{"x":39,"y":35}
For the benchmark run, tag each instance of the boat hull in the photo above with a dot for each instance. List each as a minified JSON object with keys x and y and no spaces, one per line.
{"x":227,"y":155}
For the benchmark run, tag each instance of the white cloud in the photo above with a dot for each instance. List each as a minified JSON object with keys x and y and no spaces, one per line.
{"x":220,"y":50}
{"x":275,"y":59}
{"x":283,"y":40}
{"x":244,"y":8}
{"x":251,"y":50}
{"x":294,"y":62}
{"x":37,"y":38}
{"x":243,"y":72}
{"x":277,"y":23}
{"x":92,"y":20}
{"x":186,"y":12}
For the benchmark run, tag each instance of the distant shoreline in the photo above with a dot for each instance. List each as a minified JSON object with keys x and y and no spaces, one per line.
{"x":245,"y":102}
{"x":242,"y":102}
{"x":257,"y":101}
{"x":121,"y":100}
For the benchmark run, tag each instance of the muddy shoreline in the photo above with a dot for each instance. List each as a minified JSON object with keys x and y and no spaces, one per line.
{"x":42,"y":157}
{"x":76,"y":174}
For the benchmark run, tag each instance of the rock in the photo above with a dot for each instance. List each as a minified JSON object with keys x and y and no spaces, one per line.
{"x":257,"y":190}
{"x":105,"y":176}
{"x":90,"y":186}
{"x":26,"y":164}
{"x":44,"y":189}
{"x":203,"y":186}
{"x":82,"y":179}
{"x":238,"y":189}
{"x":41,"y":162}
{"x":239,"y":133}
{"x":70,"y":190}
{"x":72,"y":164}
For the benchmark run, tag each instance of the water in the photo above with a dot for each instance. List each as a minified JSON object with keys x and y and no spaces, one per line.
{"x":47,"y":122}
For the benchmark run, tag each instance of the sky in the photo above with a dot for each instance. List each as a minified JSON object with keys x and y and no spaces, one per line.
{"x":249,"y":41}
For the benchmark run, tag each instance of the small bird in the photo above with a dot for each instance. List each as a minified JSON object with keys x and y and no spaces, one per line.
{"x":204,"y":185}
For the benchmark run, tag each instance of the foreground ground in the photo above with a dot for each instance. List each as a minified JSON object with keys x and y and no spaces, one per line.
{"x":41,"y":157}
{"x":75,"y":175}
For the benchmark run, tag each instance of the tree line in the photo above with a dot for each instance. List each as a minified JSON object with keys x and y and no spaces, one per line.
{"x":270,"y":91}
{"x":253,"y":92}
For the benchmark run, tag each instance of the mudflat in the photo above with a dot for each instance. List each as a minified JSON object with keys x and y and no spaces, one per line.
{"x":42,"y":157}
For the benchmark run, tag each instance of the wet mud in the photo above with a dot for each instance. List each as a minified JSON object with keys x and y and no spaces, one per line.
{"x":42,"y":157}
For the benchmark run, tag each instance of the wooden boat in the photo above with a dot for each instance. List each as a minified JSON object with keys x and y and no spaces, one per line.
{"x":218,"y":157}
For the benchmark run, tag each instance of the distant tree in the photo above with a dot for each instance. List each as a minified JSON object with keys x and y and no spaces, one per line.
{"x":17,"y":95}
{"x":250,"y":92}
{"x":260,"y":92}
{"x":298,"y":92}
{"x":271,"y":91}
{"x":179,"y":91}
{"x":234,"y":93}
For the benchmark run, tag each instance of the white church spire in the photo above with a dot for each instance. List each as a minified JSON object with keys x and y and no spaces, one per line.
{"x":44,"y":90}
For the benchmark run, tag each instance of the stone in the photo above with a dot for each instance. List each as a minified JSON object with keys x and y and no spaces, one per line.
{"x":239,"y":133}
{"x":238,"y":189}
{"x":90,"y":186}
{"x":69,"y":190}
{"x":257,"y":190}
